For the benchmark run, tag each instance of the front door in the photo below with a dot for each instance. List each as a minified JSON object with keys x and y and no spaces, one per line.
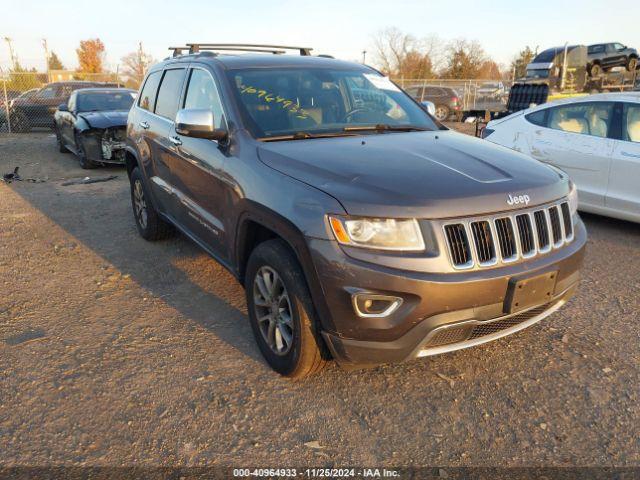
{"x":197,"y":170}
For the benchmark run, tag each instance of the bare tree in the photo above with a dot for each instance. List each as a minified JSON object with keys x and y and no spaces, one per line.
{"x":135,"y":64}
{"x":402,"y":55}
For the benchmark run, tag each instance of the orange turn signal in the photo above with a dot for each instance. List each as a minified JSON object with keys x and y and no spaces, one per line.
{"x":339,"y":231}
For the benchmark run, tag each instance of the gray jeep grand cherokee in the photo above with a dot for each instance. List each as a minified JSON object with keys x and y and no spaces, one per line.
{"x":362,"y":229}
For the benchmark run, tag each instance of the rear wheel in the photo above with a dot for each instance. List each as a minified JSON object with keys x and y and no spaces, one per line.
{"x":149,"y":224}
{"x":442,"y":112}
{"x":632,"y":64}
{"x":281,"y":312}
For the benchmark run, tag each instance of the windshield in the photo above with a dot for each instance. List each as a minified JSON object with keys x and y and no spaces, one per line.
{"x":538,"y":73}
{"x":279,"y":102}
{"x":104,"y":101}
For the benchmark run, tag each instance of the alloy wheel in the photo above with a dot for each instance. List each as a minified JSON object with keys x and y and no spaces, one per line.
{"x":273,"y":311}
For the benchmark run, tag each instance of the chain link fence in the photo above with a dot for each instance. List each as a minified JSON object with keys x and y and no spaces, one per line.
{"x":455,"y":98}
{"x":28,"y":100}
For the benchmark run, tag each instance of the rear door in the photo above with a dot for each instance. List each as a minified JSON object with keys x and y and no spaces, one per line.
{"x":576,"y":140}
{"x":197,"y":168}
{"x":623,"y":193}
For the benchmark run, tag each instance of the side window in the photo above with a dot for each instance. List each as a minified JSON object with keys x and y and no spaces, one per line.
{"x":48,"y":92}
{"x":169,"y":93}
{"x":148,"y":94}
{"x":631,"y":122}
{"x":202,"y":93}
{"x":586,"y":118}
{"x":538,"y":118}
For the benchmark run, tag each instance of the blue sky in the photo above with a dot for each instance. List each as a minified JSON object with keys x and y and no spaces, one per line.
{"x":341,"y":28}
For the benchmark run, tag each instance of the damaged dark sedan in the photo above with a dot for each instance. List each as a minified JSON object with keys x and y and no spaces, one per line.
{"x":93,"y":125}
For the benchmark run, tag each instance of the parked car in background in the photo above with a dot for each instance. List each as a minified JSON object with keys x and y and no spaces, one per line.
{"x":493,"y":90}
{"x":361,"y":229}
{"x":37,"y":109}
{"x":595,"y":139}
{"x":93,"y":123}
{"x":604,"y":56}
{"x":446,"y":99}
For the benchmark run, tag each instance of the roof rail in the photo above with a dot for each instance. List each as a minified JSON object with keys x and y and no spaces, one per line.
{"x":237,"y":47}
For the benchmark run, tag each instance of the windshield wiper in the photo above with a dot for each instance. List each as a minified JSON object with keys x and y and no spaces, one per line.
{"x":305,"y":136}
{"x":383,"y":127}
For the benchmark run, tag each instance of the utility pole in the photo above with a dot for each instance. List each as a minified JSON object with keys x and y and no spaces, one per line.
{"x":46,"y":57}
{"x":364,"y":56}
{"x":14,"y":60}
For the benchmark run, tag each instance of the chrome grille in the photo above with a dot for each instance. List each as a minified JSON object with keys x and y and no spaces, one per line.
{"x":495,"y":239}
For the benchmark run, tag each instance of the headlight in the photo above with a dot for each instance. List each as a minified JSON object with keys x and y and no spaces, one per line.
{"x":381,"y":233}
{"x":573,"y":198}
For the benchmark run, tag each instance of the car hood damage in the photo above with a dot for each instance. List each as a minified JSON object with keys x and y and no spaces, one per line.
{"x":105,"y":119}
{"x":436,"y":174}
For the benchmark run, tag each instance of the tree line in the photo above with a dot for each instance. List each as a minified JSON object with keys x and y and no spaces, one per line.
{"x":403,"y":55}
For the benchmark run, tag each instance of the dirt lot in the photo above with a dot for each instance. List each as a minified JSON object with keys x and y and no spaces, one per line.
{"x":116,"y":351}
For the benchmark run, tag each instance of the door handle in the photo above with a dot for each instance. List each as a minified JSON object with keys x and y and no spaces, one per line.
{"x":175,"y":140}
{"x":144,"y":125}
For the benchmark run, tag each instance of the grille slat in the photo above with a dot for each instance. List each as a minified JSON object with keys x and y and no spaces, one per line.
{"x":526,"y":234}
{"x":566,"y":218}
{"x":506,"y":238}
{"x":556,"y":229}
{"x":542,"y":228}
{"x":458,"y":244}
{"x":483,"y":240}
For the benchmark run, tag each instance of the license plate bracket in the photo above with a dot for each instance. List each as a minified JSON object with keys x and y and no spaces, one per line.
{"x":523,"y":293}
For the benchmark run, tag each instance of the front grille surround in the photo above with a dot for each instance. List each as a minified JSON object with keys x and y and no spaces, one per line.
{"x":534,"y":231}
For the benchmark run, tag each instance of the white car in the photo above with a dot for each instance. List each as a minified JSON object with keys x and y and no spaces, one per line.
{"x":595,"y":139}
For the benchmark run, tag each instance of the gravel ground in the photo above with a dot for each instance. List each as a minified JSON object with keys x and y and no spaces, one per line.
{"x":116,"y":351}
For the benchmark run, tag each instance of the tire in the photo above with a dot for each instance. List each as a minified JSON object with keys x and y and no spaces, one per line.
{"x":85,"y":163}
{"x":632,"y":64}
{"x":595,"y":70}
{"x":60,"y":142}
{"x":304,"y":354}
{"x":442,"y":113}
{"x":150,"y":225}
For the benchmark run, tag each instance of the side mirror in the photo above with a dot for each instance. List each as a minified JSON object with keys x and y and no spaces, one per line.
{"x":63,"y":107}
{"x":198,"y":123}
{"x":430,"y":107}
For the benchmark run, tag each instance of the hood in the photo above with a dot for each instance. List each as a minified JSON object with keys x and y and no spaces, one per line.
{"x":436,"y":174}
{"x":105,"y":119}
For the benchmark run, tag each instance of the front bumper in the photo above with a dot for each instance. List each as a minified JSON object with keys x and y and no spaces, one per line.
{"x":440,"y":311}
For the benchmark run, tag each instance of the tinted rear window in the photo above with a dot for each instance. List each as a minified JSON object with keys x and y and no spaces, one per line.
{"x":169,"y":93}
{"x":148,"y":94}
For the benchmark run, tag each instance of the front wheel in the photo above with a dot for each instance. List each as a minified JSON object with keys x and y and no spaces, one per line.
{"x":595,"y":70}
{"x":85,"y":163}
{"x":632,"y":64}
{"x":59,"y":141}
{"x":281,"y":312}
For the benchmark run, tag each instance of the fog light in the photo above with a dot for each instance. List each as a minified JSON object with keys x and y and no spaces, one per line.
{"x":370,"y":305}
